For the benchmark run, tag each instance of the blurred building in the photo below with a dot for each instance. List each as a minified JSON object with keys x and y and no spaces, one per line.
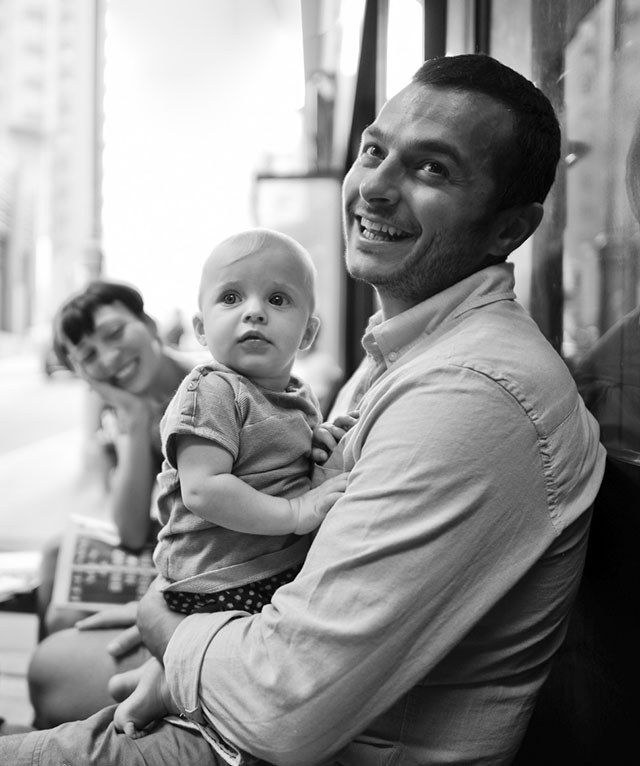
{"x":578,"y":275}
{"x":50,"y":150}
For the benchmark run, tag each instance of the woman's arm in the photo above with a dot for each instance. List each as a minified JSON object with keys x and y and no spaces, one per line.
{"x":212,"y":492}
{"x":132,"y":485}
{"x":135,"y":472}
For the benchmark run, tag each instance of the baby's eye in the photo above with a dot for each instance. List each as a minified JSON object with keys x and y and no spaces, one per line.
{"x":279,"y":299}
{"x":229,"y":299}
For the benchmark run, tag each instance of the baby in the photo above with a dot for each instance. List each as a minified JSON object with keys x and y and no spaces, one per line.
{"x":235,"y":496}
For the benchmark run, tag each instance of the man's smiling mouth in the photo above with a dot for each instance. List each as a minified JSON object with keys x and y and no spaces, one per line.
{"x":380,"y":232}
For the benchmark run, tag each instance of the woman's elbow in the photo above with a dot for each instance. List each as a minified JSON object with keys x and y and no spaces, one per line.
{"x":134,"y":539}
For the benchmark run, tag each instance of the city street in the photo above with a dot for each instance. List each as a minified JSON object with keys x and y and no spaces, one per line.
{"x":41,"y":452}
{"x":43,"y":478}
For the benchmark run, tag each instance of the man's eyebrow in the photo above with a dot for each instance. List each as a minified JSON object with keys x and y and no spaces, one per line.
{"x":438,"y":146}
{"x":372,"y":130}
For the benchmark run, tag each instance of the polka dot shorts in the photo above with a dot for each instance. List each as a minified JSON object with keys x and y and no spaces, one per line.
{"x":249,"y":598}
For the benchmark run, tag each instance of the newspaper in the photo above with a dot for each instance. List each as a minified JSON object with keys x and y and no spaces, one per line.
{"x":94,"y":571}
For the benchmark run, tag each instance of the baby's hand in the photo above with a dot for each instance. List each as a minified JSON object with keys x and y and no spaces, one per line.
{"x":327,"y":435}
{"x":311,"y":508}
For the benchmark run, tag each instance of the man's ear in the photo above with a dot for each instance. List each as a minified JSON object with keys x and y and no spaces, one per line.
{"x":513,"y":227}
{"x":313,"y":325}
{"x":198,"y":328}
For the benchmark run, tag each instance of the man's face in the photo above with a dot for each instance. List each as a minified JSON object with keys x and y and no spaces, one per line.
{"x":419,"y":201}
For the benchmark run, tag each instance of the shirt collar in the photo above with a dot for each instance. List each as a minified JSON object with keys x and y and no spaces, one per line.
{"x":389,"y":340}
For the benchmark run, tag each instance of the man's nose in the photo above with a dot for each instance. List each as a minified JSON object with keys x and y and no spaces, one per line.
{"x":381,"y":184}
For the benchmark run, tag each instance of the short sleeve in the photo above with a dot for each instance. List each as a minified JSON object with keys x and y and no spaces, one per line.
{"x":205,"y":405}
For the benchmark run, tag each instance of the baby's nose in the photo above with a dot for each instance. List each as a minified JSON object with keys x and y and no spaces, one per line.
{"x":254,"y":311}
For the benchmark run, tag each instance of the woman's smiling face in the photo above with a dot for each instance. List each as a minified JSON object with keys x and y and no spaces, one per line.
{"x":122,"y":350}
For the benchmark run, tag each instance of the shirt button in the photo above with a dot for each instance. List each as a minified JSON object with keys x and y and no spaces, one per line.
{"x":393,"y":356}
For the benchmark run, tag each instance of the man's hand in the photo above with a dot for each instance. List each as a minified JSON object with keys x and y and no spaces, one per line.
{"x":156,"y":622}
{"x":327,"y":435}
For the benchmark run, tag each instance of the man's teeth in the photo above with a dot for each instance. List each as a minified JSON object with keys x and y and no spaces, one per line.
{"x":375,"y":230}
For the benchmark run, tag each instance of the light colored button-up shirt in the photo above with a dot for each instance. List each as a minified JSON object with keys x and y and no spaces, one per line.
{"x":437,"y":588}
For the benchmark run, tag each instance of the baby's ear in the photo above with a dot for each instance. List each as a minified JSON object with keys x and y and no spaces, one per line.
{"x":313,"y":325}
{"x":198,"y":328}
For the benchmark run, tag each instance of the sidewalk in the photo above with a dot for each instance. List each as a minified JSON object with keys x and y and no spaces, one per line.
{"x":39,"y":510}
{"x":44,"y":479}
{"x":44,"y":483}
{"x":17,"y":641}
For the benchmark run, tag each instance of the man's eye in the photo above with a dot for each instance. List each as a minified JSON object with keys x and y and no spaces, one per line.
{"x":278,"y":299}
{"x":434,"y":168}
{"x":371,"y":150}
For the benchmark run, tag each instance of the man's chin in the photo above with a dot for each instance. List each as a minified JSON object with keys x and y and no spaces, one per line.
{"x":363,"y":267}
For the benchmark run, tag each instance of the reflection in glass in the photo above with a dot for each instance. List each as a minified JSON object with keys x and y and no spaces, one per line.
{"x":602,"y":236}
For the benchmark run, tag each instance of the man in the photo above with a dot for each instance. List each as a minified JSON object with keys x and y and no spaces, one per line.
{"x":437,"y":589}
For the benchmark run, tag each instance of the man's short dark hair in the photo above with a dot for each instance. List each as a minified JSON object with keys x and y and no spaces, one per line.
{"x":531,"y":161}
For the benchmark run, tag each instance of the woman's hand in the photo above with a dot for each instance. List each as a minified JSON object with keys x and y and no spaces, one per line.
{"x":129,"y":424}
{"x":327,"y":435}
{"x":123,"y":616}
{"x":132,"y":410}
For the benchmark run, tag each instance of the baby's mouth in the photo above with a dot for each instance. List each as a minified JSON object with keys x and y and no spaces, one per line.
{"x":253,"y":336}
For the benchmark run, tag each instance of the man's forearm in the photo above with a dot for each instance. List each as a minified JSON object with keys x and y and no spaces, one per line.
{"x":156,"y":622}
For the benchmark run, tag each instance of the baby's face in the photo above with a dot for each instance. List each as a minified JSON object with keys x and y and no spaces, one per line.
{"x":255,"y":311}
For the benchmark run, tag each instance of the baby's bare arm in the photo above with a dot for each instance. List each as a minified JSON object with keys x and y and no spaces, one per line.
{"x":212,"y":492}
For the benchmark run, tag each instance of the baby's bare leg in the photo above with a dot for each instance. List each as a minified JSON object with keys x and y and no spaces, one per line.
{"x":147,"y":703}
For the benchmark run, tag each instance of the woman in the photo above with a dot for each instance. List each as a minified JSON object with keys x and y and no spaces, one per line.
{"x":104,"y":335}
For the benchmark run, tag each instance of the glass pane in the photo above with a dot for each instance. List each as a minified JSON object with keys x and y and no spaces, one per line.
{"x":601,"y":244}
{"x":405,"y":42}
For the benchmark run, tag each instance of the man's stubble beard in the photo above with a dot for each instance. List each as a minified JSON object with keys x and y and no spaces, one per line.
{"x":447,"y":261}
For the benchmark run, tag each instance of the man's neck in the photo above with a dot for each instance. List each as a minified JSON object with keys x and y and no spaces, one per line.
{"x":391,"y":306}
